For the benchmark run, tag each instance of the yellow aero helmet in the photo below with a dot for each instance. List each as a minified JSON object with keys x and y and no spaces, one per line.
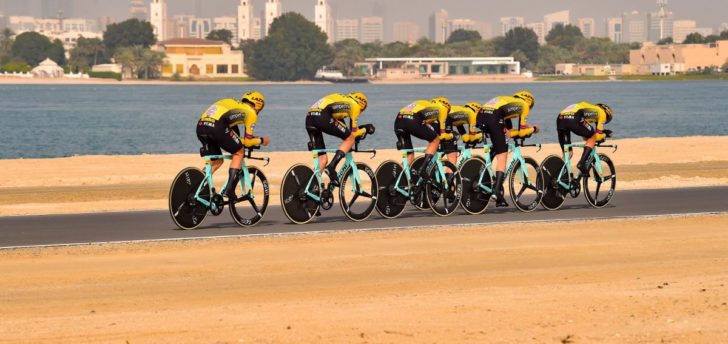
{"x":526,"y":97}
{"x":608,"y":111}
{"x":361,"y":99}
{"x":255,"y":98}
{"x":442,"y":101}
{"x":474,"y":106}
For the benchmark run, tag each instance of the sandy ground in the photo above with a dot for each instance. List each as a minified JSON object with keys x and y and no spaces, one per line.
{"x":623,"y":281}
{"x":117,"y":183}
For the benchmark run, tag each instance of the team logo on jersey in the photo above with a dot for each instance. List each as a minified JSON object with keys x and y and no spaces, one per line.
{"x":211,"y":111}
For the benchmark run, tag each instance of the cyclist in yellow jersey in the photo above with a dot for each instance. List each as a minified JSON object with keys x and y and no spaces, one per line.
{"x":496,"y":118}
{"x":218,"y":129}
{"x":326,"y":116}
{"x":578,"y":119}
{"x":458,"y":117}
{"x":417,"y":119}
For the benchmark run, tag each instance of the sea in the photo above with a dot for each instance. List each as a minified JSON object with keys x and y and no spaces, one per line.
{"x":45,"y":121}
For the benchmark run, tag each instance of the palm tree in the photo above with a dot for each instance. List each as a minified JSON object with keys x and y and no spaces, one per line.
{"x":6,"y":43}
{"x":128,"y":60}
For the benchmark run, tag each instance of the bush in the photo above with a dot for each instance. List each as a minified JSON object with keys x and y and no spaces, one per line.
{"x":176,"y":77}
{"x":16,"y":67}
{"x":105,"y":75}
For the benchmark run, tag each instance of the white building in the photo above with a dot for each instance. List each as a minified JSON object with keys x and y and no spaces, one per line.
{"x":553,"y":19}
{"x":200,"y":27}
{"x":587,"y":27}
{"x":245,"y":20}
{"x":614,"y":29}
{"x":540,"y":29}
{"x":66,"y":30}
{"x":227,"y":23}
{"x":347,"y":29}
{"x":371,"y":29}
{"x":257,"y":28}
{"x":406,"y":32}
{"x":659,"y":23}
{"x":634,"y":27}
{"x":723,"y":27}
{"x":461,"y":68}
{"x":324,"y":18}
{"x":273,"y":10}
{"x":158,"y":18}
{"x":439,"y":26}
{"x":105,"y":21}
{"x":510,"y":23}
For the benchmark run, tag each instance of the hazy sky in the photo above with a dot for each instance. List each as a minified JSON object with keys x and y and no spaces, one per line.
{"x":708,"y":13}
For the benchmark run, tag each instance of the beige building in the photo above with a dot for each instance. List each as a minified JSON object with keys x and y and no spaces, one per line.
{"x":201,"y":58}
{"x":587,"y":26}
{"x":406,"y":32}
{"x":595,"y":69}
{"x":681,"y":57}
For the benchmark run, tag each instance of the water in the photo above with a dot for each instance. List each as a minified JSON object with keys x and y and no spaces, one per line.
{"x":55,"y":121}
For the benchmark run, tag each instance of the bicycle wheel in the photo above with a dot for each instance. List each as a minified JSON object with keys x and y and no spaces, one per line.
{"x":296,"y":204}
{"x":554,"y":194}
{"x":444,"y":199}
{"x":250,"y":208}
{"x":390,"y":203}
{"x":526,"y":193}
{"x":475,"y":199}
{"x":594,"y":184}
{"x":358,"y":198}
{"x":186,"y":212}
{"x":419,"y":202}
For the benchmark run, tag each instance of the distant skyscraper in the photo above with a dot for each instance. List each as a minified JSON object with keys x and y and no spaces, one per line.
{"x":347,"y":29}
{"x":586,"y":25}
{"x":614,"y":29}
{"x":371,"y":29}
{"x":553,"y":19}
{"x":682,"y":28}
{"x":273,"y":10}
{"x":634,"y":27}
{"x":105,"y":21}
{"x":406,"y":32}
{"x":439,"y":26}
{"x":257,"y":29}
{"x":227,"y":23}
{"x":324,"y":18}
{"x":510,"y":23}
{"x":138,"y":10}
{"x":200,"y":27}
{"x":471,"y":25}
{"x":245,"y":20}
{"x":540,"y":29}
{"x":723,"y":27}
{"x":659,"y":23}
{"x":158,"y":18}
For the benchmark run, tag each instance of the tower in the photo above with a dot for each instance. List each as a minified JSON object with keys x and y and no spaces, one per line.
{"x":272,"y":11}
{"x":324,"y":19}
{"x":137,"y":9}
{"x":158,"y":18}
{"x":245,"y":20}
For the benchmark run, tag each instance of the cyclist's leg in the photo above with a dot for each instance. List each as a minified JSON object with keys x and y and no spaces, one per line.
{"x":336,"y":128}
{"x":564,"y":135}
{"x":497,"y":130}
{"x":404,"y":138}
{"x":230,"y":142}
{"x":586,"y":131}
{"x":209,"y":147}
{"x":316,"y":138}
{"x":424,"y":131}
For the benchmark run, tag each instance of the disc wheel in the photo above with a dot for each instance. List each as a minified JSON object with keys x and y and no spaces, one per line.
{"x":474,"y":200}
{"x":526,"y":185}
{"x":358,"y":192}
{"x":444,"y":195}
{"x":186,"y":212}
{"x":554,"y":194}
{"x":390,"y":203}
{"x":250,"y":208}
{"x":419,"y":202}
{"x":599,"y":188}
{"x":296,"y":204}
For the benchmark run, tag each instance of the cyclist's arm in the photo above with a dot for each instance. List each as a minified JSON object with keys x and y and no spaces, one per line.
{"x":353,"y":116}
{"x":599,"y":134}
{"x":250,"y":140}
{"x":472,"y":135}
{"x":442,"y":120}
{"x":523,"y":129}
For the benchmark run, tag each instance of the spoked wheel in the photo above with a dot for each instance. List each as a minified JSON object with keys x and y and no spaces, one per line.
{"x":526,"y":185}
{"x":390,"y":203}
{"x":250,"y":208}
{"x":186,"y":212}
{"x":419,"y":202}
{"x":358,"y":192}
{"x":444,"y":195}
{"x":296,"y":204}
{"x":599,"y":187}
{"x":475,"y":199}
{"x":552,"y":169}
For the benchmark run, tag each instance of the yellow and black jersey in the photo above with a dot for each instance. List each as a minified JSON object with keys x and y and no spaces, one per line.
{"x":461,"y":116}
{"x":231,"y":113}
{"x":340,"y":106}
{"x":428,"y":111}
{"x":589,"y":113}
{"x":507,"y":108}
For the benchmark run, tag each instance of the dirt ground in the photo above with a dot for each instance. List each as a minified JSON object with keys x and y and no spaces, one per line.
{"x":622,"y":281}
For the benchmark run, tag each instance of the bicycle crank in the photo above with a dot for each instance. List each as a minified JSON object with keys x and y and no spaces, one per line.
{"x":327,"y":199}
{"x":217,"y":205}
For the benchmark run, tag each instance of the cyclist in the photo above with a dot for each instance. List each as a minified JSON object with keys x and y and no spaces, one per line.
{"x":458,"y":117}
{"x":417,"y":119}
{"x":325,"y":116}
{"x":218,"y":129}
{"x":578,"y":119}
{"x":496,"y":118}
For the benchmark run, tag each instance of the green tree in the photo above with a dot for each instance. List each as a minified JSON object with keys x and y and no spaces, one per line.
{"x":32,"y":48}
{"x":149,"y":62}
{"x":564,"y":36}
{"x":293,"y":50}
{"x":694,"y":38}
{"x":519,"y":39}
{"x":395,"y":49}
{"x":725,"y":67}
{"x":549,"y":56}
{"x":666,"y":41}
{"x":57,"y":52}
{"x":87,"y":53}
{"x":16,"y":66}
{"x":222,"y":35}
{"x":462,"y":35}
{"x":601,"y":51}
{"x":6,"y":45}
{"x":128,"y":34}
{"x":127,"y":58}
{"x":346,"y":54}
{"x":711,"y":38}
{"x":724,"y":34}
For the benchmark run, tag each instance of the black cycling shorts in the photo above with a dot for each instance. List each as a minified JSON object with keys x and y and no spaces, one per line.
{"x":497,"y":128}
{"x":565,"y":125}
{"x":217,"y":136}
{"x":407,"y":125}
{"x":318,"y":123}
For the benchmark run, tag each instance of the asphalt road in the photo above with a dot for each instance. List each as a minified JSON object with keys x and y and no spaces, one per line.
{"x":155,"y":225}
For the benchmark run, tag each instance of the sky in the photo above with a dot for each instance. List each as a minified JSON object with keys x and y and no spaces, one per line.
{"x":708,"y":13}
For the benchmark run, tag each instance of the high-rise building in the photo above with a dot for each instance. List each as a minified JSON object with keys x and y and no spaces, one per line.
{"x":659,"y":23}
{"x":723,"y":27}
{"x":682,"y":28}
{"x":371,"y":29}
{"x":273,"y":10}
{"x":634,"y":27}
{"x":181,"y":26}
{"x":227,"y":23}
{"x":158,"y":18}
{"x":553,"y":19}
{"x":439,"y":26}
{"x":614,"y":29}
{"x":347,"y":29}
{"x":138,"y":10}
{"x":510,"y":23}
{"x":245,"y":20}
{"x":406,"y":32}
{"x":540,"y":29}
{"x":482,"y":28}
{"x":105,"y":21}
{"x":257,"y":30}
{"x":586,"y":25}
{"x":324,"y":18}
{"x":200,"y":27}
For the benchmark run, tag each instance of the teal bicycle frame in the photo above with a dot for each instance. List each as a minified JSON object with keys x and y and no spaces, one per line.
{"x":349,"y":162}
{"x":439,"y":177}
{"x":515,"y":148}
{"x":568,"y":169}
{"x":245,"y":181}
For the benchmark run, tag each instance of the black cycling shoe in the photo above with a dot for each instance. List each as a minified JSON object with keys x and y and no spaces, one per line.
{"x":500,"y":200}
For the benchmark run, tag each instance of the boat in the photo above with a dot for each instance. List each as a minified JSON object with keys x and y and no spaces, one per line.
{"x":335,"y":76}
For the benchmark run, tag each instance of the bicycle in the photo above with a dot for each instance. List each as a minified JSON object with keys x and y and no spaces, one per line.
{"x":398,"y":182}
{"x":560,"y":178}
{"x":303,"y":194}
{"x":523,"y":175}
{"x":192,"y":194}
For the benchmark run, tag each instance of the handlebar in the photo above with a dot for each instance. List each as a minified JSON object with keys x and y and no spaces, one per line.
{"x":249,"y":155}
{"x":608,"y":146}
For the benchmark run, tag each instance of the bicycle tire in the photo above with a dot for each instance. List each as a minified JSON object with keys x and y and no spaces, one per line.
{"x":535,"y":183}
{"x":390,"y":203}
{"x":450,"y":196}
{"x":554,"y":194}
{"x":352,"y":210}
{"x":611,"y":177}
{"x":257,"y":178}
{"x":297,"y":206}
{"x":474,"y":199}
{"x":185,"y":211}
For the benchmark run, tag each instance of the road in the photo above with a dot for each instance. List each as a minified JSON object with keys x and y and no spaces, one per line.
{"x":156,"y":225}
